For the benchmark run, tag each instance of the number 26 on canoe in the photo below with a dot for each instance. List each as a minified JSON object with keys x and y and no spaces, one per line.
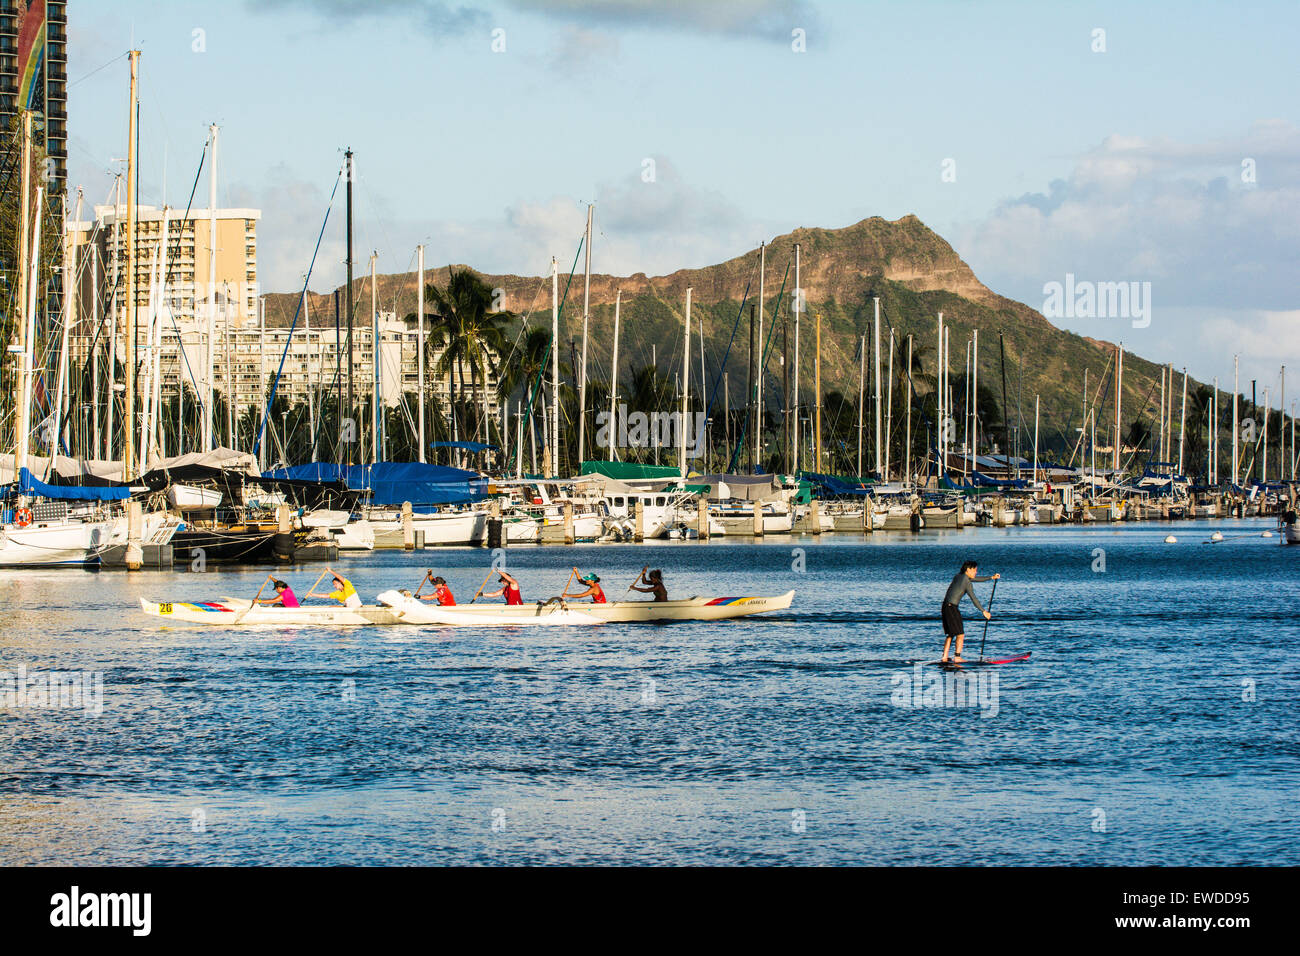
{"x":164,"y":608}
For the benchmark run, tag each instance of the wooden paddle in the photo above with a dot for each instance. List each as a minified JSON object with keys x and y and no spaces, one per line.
{"x":316,"y":582}
{"x":427,"y":574}
{"x":240,"y":616}
{"x":638,"y":578}
{"x":481,"y":587}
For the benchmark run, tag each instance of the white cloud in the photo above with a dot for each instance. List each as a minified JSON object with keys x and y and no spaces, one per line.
{"x":1176,"y":214}
{"x":651,"y":227}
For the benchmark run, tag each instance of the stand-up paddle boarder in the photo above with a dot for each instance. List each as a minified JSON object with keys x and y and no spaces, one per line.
{"x":961,"y":586}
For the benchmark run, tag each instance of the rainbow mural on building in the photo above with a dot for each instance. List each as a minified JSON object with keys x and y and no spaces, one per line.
{"x":31,"y":55}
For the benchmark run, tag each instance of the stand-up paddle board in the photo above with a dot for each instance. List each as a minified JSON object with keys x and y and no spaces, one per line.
{"x":954,"y":665}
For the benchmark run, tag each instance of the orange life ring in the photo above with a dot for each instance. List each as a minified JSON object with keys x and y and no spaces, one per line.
{"x":23,"y":517}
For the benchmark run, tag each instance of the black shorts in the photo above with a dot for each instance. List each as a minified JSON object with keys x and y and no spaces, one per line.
{"x":952,"y":622}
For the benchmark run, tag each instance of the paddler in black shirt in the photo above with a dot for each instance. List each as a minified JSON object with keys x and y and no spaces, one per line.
{"x":962,"y":585}
{"x":655,"y":580}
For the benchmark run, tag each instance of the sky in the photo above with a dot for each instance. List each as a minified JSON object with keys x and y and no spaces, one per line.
{"x":1111,"y":142}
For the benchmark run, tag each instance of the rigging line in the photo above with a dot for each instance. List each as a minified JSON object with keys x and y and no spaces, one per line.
{"x":753,"y":390}
{"x":257,"y":446}
{"x":522,"y":331}
{"x":541,"y":371}
{"x":717,"y":380}
{"x":86,"y":76}
{"x":185,"y":358}
{"x":1119,"y":440}
{"x":1096,"y":395}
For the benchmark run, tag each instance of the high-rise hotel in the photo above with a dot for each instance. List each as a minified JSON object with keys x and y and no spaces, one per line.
{"x":34,"y":76}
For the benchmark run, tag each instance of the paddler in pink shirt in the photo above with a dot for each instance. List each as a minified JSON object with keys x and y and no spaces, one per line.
{"x":284,"y":596}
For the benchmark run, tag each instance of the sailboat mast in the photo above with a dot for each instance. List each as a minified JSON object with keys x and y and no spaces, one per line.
{"x":1035,"y":438}
{"x":419,"y":346}
{"x":29,"y":263}
{"x":876,"y":359}
{"x":1119,"y":399}
{"x":128,"y":419}
{"x":210,"y":361}
{"x":1182,"y":423}
{"x":582,"y":371}
{"x":974,"y":395}
{"x":817,"y":384}
{"x":907,"y":438}
{"x":24,"y":244}
{"x":799,"y":304}
{"x":1236,"y":390}
{"x":758,"y":369}
{"x":862,"y":394}
{"x":889,"y":401}
{"x":938,"y":394}
{"x":785,"y":389}
{"x":613,"y":388}
{"x":554,"y":464}
{"x":1281,"y":424}
{"x":69,"y":321}
{"x":682,"y":425}
{"x":351,"y":394}
{"x":375,"y":443}
{"x":94,"y":359}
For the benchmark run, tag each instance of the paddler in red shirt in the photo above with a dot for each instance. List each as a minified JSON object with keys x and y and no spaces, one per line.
{"x":441,"y":593}
{"x":593,"y":590}
{"x":509,"y":589}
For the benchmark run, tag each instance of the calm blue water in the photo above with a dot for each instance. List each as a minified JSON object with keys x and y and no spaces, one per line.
{"x":1125,"y":739}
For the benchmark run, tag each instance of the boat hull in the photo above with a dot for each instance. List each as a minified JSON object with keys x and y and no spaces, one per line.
{"x":58,"y":544}
{"x":229,"y":612}
{"x":690,"y":609}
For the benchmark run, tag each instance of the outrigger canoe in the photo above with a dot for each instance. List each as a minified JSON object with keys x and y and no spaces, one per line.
{"x":689,"y":609}
{"x":229,"y":612}
{"x":412,"y":610}
{"x":397,"y":608}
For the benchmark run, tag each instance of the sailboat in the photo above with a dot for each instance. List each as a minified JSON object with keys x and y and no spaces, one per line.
{"x":45,"y":525}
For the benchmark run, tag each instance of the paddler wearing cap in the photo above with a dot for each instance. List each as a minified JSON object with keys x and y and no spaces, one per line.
{"x":441,"y":591}
{"x":593,"y":589}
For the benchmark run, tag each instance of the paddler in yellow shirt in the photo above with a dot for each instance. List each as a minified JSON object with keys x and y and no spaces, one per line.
{"x":343,"y":592}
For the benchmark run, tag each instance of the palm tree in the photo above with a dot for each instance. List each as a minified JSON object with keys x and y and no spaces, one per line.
{"x":466,"y":331}
{"x":524,"y":371}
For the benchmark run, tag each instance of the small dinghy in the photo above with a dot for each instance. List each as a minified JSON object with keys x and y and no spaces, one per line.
{"x":411,"y":610}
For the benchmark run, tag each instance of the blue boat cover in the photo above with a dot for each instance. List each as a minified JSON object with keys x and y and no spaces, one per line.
{"x":32,"y":485}
{"x":395,"y":482}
